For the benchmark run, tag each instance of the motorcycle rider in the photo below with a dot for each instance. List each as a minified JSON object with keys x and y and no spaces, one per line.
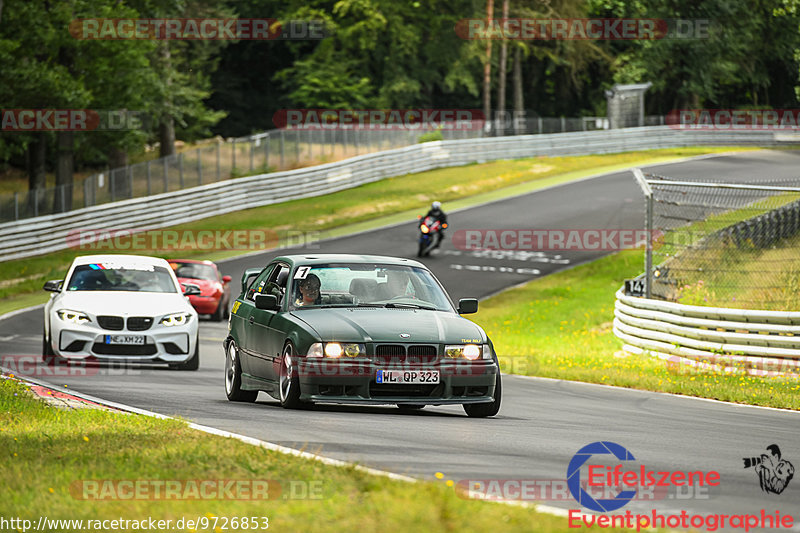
{"x":436,"y":212}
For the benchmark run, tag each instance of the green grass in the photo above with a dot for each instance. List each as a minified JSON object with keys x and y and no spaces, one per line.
{"x":713,"y":271}
{"x":386,"y":201}
{"x":46,"y":454}
{"x":559,"y":326}
{"x":726,"y":275}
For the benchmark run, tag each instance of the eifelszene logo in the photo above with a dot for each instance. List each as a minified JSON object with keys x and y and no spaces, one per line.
{"x":574,"y":477}
{"x":626,"y":482}
{"x":774,"y":473}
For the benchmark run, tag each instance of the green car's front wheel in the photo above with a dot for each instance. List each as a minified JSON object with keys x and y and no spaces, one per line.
{"x":482,"y":410}
{"x":288,"y":382}
{"x":233,"y":377}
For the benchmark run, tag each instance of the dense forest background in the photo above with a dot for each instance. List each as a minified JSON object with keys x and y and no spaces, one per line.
{"x":377,"y":54}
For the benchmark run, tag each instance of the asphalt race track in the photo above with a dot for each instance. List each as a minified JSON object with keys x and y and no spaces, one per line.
{"x":542,"y":423}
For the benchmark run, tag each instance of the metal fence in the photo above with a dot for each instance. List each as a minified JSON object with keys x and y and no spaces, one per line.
{"x":271,"y":151}
{"x":723,"y":244}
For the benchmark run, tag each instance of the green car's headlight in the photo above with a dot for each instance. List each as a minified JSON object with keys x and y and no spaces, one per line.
{"x":74,"y":317}
{"x":349,"y":349}
{"x":175,"y":319}
{"x":315,"y":350}
{"x":336,"y":349}
{"x":470,"y":352}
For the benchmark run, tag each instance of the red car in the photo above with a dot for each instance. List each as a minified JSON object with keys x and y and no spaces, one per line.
{"x":215,"y":290}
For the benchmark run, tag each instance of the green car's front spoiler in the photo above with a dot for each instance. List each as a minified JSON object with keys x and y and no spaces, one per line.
{"x":323,"y":381}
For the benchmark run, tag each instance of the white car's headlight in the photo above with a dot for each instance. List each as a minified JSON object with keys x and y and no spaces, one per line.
{"x":336,"y":349}
{"x":176,"y":319}
{"x":466,"y":351}
{"x":74,"y":317}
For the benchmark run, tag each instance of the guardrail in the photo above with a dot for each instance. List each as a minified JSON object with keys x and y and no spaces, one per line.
{"x":758,"y":342}
{"x":50,"y":233}
{"x":270,"y":151}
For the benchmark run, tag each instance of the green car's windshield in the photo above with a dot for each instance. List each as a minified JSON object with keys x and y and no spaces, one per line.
{"x":366,"y":285}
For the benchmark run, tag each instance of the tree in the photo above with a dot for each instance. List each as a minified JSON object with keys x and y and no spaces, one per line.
{"x":501,"y":73}
{"x":746,"y":57}
{"x":35,"y":76}
{"x":381,"y":53}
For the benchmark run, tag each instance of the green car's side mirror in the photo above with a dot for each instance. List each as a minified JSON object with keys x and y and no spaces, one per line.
{"x":268,"y":302}
{"x":467,"y":306}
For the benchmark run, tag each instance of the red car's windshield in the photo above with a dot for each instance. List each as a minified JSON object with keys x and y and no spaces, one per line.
{"x":194,"y":270}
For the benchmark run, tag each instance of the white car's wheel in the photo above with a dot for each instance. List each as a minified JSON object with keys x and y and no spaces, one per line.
{"x":48,"y":356}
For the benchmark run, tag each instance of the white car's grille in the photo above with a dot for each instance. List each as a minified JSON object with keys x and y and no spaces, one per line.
{"x":114,"y":323}
{"x":139,"y":323}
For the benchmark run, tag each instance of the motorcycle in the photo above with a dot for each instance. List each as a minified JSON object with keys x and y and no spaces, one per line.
{"x":429,"y":235}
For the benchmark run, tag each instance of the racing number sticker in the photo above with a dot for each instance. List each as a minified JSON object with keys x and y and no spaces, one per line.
{"x":302,"y":272}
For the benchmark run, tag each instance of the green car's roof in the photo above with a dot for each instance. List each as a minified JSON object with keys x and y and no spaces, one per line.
{"x":324,"y":259}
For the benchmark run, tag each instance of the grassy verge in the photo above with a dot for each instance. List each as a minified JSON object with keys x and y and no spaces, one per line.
{"x":389,"y":200}
{"x":560,"y":327}
{"x":700,"y":268}
{"x":47,"y":453}
{"x":743,"y":277}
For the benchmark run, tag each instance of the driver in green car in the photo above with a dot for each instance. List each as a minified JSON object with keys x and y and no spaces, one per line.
{"x":309,"y":291}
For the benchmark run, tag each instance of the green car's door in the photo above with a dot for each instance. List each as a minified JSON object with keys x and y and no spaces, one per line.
{"x":267,"y":341}
{"x":243,"y":322}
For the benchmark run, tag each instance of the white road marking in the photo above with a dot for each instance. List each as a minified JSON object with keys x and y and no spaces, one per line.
{"x":500,"y":269}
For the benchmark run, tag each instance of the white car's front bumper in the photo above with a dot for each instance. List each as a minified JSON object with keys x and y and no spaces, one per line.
{"x":169,"y":344}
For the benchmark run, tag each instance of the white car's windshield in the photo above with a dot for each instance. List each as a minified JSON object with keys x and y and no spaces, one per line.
{"x":374,"y":285}
{"x":121,"y":277}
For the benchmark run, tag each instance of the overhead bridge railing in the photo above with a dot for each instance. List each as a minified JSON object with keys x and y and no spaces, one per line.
{"x":759,"y":342}
{"x":38,"y":235}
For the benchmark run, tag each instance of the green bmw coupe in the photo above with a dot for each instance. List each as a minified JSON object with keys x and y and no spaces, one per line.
{"x":357,"y":329}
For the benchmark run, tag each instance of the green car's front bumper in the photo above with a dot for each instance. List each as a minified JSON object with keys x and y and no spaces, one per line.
{"x":355,"y":381}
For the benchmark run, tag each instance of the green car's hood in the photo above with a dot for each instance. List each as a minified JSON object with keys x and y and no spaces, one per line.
{"x":386,"y":325}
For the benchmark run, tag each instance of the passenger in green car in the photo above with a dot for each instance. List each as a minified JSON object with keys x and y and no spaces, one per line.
{"x":396,"y":286}
{"x":309,"y":291}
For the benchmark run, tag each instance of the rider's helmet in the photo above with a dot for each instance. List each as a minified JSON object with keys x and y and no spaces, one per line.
{"x":436,"y":206}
